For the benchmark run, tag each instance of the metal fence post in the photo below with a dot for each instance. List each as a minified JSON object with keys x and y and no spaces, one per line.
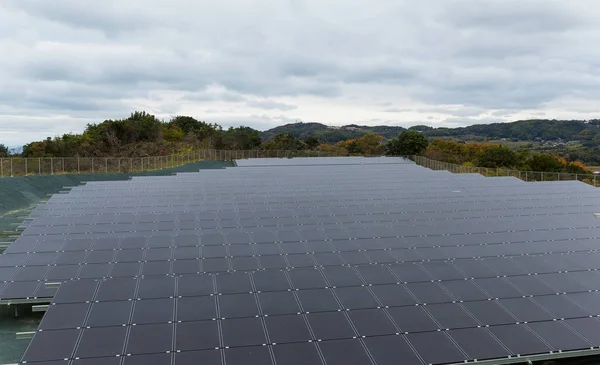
{"x":1,"y":167}
{"x":92,"y":164}
{"x":51,"y":165}
{"x":11,"y":167}
{"x":78,"y":164}
{"x":25,"y":166}
{"x":542,"y":176}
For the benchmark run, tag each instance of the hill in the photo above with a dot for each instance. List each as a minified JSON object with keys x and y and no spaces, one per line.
{"x":525,"y":130}
{"x":142,"y":134}
{"x":587,"y":132}
{"x":329,"y":134}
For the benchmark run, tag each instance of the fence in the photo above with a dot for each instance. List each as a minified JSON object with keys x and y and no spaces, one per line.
{"x":16,"y":166}
{"x":84,"y":165}
{"x":523,"y":175}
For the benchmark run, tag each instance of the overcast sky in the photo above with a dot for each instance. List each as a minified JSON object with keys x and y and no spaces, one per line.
{"x":262,"y":63}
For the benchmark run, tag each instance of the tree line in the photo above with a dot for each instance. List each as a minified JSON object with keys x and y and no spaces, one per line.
{"x":142,"y":134}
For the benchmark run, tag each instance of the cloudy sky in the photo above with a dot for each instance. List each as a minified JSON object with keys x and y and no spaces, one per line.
{"x":262,"y":63}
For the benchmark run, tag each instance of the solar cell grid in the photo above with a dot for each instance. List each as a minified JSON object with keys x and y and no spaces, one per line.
{"x":375,"y":260}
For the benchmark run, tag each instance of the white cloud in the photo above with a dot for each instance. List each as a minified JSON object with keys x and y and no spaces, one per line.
{"x":257,"y":62}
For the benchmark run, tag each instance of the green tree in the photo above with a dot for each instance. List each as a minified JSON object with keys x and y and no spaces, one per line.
{"x":498,"y":156}
{"x":173,"y":133}
{"x":312,"y":142}
{"x":354,"y":147}
{"x":202,"y":130}
{"x":545,"y":162}
{"x":420,"y":128}
{"x":285,"y":142}
{"x":3,"y":150}
{"x":407,"y":143}
{"x":371,"y":144}
{"x":241,"y":138}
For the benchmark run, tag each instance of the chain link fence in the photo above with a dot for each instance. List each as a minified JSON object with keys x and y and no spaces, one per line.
{"x":523,"y":175}
{"x":16,"y":166}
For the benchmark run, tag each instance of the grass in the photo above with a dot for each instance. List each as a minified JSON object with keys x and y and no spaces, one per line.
{"x":12,"y":349}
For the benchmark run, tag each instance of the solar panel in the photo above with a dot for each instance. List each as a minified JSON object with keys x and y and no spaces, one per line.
{"x":307,"y":261}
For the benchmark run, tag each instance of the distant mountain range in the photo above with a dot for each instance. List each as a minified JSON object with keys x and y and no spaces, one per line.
{"x":329,"y":134}
{"x":587,"y":132}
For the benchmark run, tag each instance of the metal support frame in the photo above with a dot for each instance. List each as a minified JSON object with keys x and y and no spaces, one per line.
{"x":40,"y":308}
{"x":533,"y":358}
{"x":10,"y":302}
{"x":25,"y":335}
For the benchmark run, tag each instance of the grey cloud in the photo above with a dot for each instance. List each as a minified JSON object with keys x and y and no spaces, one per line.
{"x":396,"y":110}
{"x":512,"y":15}
{"x":454,"y":111}
{"x":216,"y":95}
{"x":111,"y":17}
{"x":91,"y":60}
{"x":270,"y":105}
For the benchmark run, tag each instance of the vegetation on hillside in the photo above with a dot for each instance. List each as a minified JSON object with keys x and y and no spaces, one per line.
{"x":408,"y":142}
{"x":526,"y":130}
{"x":494,"y":156}
{"x":142,"y":134}
{"x":328,"y":134}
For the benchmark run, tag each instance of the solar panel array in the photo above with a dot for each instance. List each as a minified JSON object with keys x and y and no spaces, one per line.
{"x":345,"y":261}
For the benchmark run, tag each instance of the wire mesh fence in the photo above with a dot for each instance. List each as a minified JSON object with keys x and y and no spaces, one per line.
{"x":501,"y":171}
{"x":17,"y":166}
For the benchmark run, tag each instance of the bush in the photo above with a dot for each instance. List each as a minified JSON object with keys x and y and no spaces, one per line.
{"x":498,"y":156}
{"x":407,"y":143}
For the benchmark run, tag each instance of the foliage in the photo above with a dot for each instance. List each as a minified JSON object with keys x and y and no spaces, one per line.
{"x":555,"y":134}
{"x":241,"y":138}
{"x":523,"y":130}
{"x":3,"y":150}
{"x":327,"y":134}
{"x":311,"y":142}
{"x":173,"y":133}
{"x":492,"y":156}
{"x":453,"y":151}
{"x":332,"y":150}
{"x":407,"y":143}
{"x":350,"y":145}
{"x":369,"y":144}
{"x":141,"y":134}
{"x":420,"y":128}
{"x":498,"y":156}
{"x":285,"y":142}
{"x":544,"y":162}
